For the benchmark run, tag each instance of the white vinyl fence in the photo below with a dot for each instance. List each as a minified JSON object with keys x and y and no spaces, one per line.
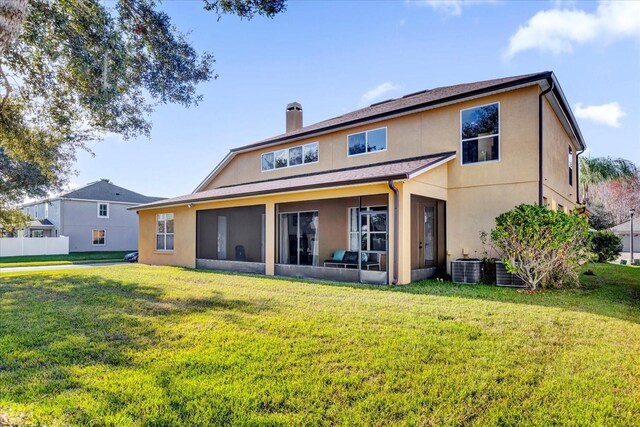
{"x":18,"y":246}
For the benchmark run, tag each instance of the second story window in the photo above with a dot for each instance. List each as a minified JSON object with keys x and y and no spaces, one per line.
{"x":480,"y":133}
{"x":289,"y":157}
{"x":570,"y":166}
{"x":367,"y":142}
{"x":103,"y":210}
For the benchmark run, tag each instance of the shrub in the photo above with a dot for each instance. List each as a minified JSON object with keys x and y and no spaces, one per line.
{"x":542,"y":247}
{"x":606,"y":245}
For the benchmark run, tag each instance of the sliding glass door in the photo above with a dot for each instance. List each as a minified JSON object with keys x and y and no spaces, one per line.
{"x":299,"y":238}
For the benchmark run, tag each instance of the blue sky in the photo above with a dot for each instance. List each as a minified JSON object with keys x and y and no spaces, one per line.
{"x":337,"y":56}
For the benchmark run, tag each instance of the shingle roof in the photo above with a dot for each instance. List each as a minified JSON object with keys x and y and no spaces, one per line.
{"x":399,"y":169}
{"x":407,"y":102}
{"x":104,"y":190}
{"x":625,"y":227}
{"x":40,"y":223}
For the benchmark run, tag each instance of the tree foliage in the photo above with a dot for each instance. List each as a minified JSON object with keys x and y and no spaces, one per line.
{"x":606,"y":245}
{"x":542,"y":247}
{"x":74,"y":70}
{"x":596,"y":170}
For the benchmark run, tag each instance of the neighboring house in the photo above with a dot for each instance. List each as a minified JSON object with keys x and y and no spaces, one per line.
{"x":94,"y":217}
{"x":408,"y":183}
{"x":624,"y":230}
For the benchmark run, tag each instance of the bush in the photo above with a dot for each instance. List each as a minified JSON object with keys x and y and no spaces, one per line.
{"x":542,"y":247}
{"x":606,"y":245}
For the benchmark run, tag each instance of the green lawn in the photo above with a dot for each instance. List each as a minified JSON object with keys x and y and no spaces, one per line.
{"x":158,"y":346}
{"x":72,"y":258}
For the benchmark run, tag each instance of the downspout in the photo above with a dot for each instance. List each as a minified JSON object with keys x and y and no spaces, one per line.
{"x":396,"y":222}
{"x":578,"y":176}
{"x":540,"y":143}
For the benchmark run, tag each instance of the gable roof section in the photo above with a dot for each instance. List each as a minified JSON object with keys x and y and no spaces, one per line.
{"x":381,"y":172}
{"x":419,"y":101}
{"x":105,"y":191}
{"x":625,"y":227}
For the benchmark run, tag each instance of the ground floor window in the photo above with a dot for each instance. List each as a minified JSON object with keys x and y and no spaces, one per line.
{"x":99,"y":237}
{"x":37,"y":233}
{"x":299,"y":238}
{"x":164,"y":232}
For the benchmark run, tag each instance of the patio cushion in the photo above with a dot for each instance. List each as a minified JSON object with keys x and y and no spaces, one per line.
{"x":350,"y":257}
{"x":338,"y":255}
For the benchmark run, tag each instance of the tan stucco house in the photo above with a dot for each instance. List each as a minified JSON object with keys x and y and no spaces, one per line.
{"x":390,"y":193}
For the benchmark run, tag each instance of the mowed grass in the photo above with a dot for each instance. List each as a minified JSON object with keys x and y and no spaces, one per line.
{"x":156,"y":346}
{"x":71,"y":258}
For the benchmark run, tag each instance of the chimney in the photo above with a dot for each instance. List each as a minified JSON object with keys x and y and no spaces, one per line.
{"x":294,"y":117}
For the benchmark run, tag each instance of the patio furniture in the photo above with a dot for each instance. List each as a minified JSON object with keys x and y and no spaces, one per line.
{"x":349,"y":259}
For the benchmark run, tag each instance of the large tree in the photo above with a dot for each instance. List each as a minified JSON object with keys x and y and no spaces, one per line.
{"x":596,"y":170}
{"x":73,"y":70}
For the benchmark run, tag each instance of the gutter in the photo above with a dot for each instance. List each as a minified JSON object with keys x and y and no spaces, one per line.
{"x":396,"y":222}
{"x":540,"y":141}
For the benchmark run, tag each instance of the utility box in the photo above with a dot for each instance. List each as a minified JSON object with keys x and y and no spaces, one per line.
{"x":504,"y":278}
{"x":466,"y":270}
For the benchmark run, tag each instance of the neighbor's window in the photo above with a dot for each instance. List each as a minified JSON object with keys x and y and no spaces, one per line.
{"x":37,"y":233}
{"x":367,"y":142}
{"x":570,"y":166}
{"x":98,"y":237}
{"x":294,"y":156}
{"x":164,"y":232}
{"x":480,"y":133}
{"x":103,"y":210}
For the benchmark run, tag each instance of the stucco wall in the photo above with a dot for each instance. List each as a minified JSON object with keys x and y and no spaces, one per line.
{"x":185,"y":222}
{"x":419,"y":134}
{"x":556,"y":161}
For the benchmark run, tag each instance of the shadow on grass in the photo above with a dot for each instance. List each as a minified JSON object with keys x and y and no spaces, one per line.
{"x":53,"y":324}
{"x":614,"y":291}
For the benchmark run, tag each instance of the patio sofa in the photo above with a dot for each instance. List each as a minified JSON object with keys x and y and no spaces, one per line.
{"x":349,"y":259}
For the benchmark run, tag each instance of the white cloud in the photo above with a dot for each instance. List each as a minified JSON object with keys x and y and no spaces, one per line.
{"x":375,"y":93}
{"x":608,"y":114}
{"x":559,"y":30}
{"x":448,"y":7}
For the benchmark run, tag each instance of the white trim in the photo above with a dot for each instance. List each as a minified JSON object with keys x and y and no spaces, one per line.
{"x":104,"y":237}
{"x":108,"y":209}
{"x":366,"y":141}
{"x":288,"y":149}
{"x":230,"y":155}
{"x":198,"y":202}
{"x":427,"y":168}
{"x":481,"y":137}
{"x":165,"y":234}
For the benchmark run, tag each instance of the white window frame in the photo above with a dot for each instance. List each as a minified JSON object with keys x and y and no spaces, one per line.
{"x":165,"y":234}
{"x":104,"y":238}
{"x":288,"y":149}
{"x":349,"y":232}
{"x":487,"y":136}
{"x":38,"y":233}
{"x":570,"y":165}
{"x":108,"y":209}
{"x":366,"y":141}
